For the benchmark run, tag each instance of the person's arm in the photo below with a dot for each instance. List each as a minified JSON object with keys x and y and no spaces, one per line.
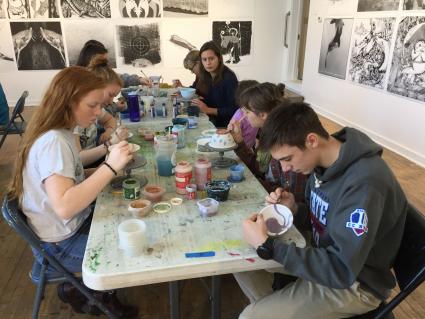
{"x":341,"y":261}
{"x":91,"y":155}
{"x":68,"y":199}
{"x":109,"y":123}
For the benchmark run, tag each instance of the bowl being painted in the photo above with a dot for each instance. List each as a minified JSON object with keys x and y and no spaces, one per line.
{"x":278,"y":219}
{"x":222,"y":139}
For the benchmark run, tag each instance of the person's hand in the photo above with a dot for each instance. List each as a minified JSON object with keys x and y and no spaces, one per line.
{"x":201,"y":104}
{"x":105,"y":136}
{"x":145,"y":81}
{"x":120,"y":134}
{"x":235,"y":129}
{"x":254,"y":230}
{"x":177,"y":83}
{"x":119,"y":155}
{"x":280,"y":196}
{"x":121,"y":104}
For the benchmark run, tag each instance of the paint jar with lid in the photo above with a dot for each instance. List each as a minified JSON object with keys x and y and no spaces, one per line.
{"x":202,"y":173}
{"x":183,"y":172}
{"x":131,"y":188}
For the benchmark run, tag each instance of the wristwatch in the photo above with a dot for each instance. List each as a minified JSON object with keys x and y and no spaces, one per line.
{"x":265,"y":250}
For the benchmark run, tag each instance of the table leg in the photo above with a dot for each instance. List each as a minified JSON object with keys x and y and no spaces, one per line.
{"x":174,"y":299}
{"x":215,"y":296}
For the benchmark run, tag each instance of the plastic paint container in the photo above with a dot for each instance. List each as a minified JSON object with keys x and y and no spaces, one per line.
{"x":208,"y":207}
{"x":219,"y":190}
{"x":131,"y":188}
{"x":202,"y":173}
{"x":183,"y":173}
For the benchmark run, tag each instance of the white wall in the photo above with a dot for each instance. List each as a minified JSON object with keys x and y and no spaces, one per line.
{"x":391,"y":120}
{"x":266,"y":50}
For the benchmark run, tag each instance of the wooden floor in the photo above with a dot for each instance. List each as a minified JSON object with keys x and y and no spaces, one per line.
{"x":17,"y":292}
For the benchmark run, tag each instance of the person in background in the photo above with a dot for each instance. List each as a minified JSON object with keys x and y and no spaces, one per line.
{"x":249,"y":133}
{"x":192,"y":62}
{"x":49,"y":177}
{"x":92,"y":148}
{"x":354,"y":208}
{"x":257,"y":102}
{"x":94,"y":47}
{"x":221,"y":83}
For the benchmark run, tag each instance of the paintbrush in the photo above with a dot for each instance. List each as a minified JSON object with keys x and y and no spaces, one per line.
{"x":144,"y":74}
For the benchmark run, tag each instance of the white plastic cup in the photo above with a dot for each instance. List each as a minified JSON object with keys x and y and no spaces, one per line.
{"x":132,"y":236}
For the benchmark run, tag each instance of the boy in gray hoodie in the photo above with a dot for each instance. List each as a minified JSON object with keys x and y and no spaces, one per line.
{"x":355,"y":211}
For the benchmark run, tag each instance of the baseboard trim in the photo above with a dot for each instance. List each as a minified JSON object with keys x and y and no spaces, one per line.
{"x":411,"y":155}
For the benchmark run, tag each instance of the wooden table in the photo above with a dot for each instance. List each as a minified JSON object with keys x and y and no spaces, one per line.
{"x":171,"y":235}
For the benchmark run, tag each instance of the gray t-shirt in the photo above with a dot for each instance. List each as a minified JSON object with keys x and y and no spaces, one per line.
{"x":54,"y":152}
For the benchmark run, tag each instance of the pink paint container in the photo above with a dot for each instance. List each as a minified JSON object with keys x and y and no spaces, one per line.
{"x":202,"y":173}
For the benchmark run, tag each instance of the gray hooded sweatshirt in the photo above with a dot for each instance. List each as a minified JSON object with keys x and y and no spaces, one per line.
{"x":356,"y":213}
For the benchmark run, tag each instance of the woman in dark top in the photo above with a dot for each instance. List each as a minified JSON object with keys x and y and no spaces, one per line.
{"x":221,"y":83}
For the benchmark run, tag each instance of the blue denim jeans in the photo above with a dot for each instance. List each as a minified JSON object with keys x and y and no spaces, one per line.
{"x":69,"y":252}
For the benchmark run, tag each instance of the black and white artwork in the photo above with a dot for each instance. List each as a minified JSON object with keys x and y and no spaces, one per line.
{"x":139,"y":45}
{"x":407,"y":74}
{"x":86,"y":9}
{"x":78,"y":32}
{"x":234,"y":39}
{"x":24,"y":9}
{"x":7,"y":63}
{"x":140,"y":8}
{"x":185,"y":8}
{"x":378,"y":5}
{"x":38,"y":45}
{"x":335,"y":47}
{"x":2,"y":9}
{"x":413,"y":4}
{"x":370,"y":51}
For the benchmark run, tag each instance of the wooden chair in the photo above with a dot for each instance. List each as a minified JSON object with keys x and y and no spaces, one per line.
{"x":17,"y":220}
{"x":14,"y":126}
{"x":409,"y":266}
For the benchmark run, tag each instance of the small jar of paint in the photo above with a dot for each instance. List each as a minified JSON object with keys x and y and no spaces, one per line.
{"x":131,"y":188}
{"x":202,"y":173}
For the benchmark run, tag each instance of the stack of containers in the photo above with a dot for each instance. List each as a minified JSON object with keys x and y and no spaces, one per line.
{"x":183,"y":173}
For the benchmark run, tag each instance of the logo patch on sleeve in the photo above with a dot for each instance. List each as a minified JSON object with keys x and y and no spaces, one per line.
{"x":358,"y":222}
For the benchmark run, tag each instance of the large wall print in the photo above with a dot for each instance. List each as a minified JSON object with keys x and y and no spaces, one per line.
{"x":38,"y":45}
{"x":2,"y":9}
{"x":234,"y":39}
{"x":335,"y":47}
{"x":377,"y":5}
{"x":371,"y":42}
{"x":185,"y":8}
{"x":86,"y":9}
{"x":140,"y":8}
{"x":139,"y":45}
{"x":77,"y":33}
{"x":6,"y":48}
{"x":413,"y":4}
{"x":407,"y":75}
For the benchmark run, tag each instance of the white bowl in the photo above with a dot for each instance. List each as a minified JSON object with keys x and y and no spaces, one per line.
{"x":187,"y":93}
{"x":278,"y":219}
{"x":222,"y":139}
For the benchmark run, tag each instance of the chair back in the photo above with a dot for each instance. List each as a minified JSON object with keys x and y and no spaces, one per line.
{"x":19,"y":107}
{"x":18,"y":221}
{"x":409,"y":266}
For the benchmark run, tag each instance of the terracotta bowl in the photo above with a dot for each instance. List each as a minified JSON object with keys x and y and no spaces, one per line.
{"x":153,"y":192}
{"x":140,"y":207}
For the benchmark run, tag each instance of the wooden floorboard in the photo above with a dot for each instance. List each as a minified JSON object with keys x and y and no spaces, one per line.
{"x":17,"y":292}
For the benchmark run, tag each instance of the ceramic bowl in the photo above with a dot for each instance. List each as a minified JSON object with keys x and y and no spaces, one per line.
{"x":278,"y":219}
{"x":222,"y":139}
{"x":153,"y":192}
{"x":236,"y":172}
{"x":208,"y":207}
{"x":187,"y":93}
{"x":219,"y":190}
{"x":202,"y":144}
{"x":140,"y":207}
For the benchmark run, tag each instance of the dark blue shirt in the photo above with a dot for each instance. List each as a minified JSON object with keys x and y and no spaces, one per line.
{"x":222,"y":97}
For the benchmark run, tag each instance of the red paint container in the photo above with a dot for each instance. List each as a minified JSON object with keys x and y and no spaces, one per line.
{"x":202,"y":173}
{"x":183,"y":172}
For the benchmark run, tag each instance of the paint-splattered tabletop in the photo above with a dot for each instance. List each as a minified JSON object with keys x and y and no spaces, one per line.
{"x":171,"y":235}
